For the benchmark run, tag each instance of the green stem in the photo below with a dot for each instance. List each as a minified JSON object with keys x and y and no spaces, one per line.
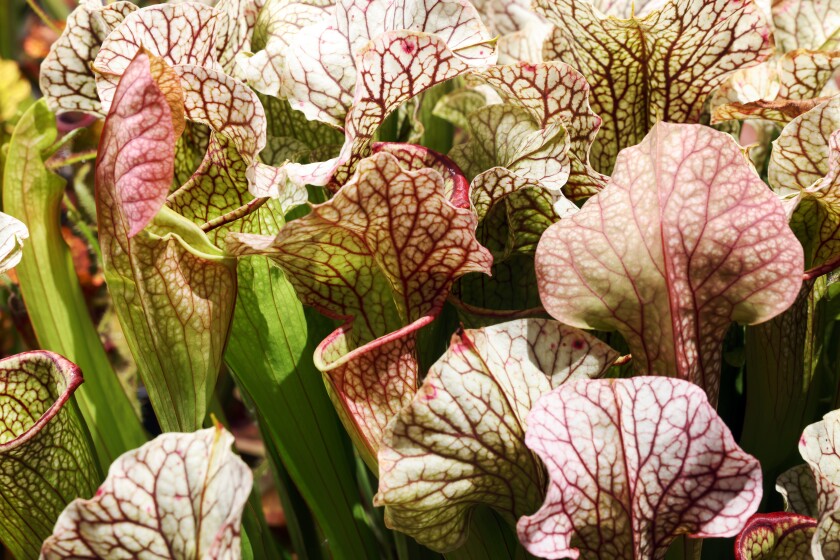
{"x":81,"y":225}
{"x":42,"y":15}
{"x":438,"y":133}
{"x":490,"y":538}
{"x":61,"y":142}
{"x":374,"y":516}
{"x":270,"y":356}
{"x":299,"y":522}
{"x":87,"y":155}
{"x":51,"y":289}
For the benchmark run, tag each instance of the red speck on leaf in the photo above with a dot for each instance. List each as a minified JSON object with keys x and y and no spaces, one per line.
{"x":408,"y":46}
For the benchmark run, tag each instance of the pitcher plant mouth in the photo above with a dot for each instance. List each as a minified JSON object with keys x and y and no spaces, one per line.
{"x":326,"y":365}
{"x":71,"y":379}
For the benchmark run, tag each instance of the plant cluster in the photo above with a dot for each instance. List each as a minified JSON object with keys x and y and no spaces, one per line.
{"x":495,"y":280}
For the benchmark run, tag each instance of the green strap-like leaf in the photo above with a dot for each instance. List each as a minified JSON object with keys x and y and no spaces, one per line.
{"x":783,"y":381}
{"x":51,"y":289}
{"x":270,"y":355}
{"x":172,"y":289}
{"x":381,"y":255}
{"x":45,"y":455}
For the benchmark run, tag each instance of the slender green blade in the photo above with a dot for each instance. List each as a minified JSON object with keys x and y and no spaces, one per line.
{"x":783,"y":384}
{"x":51,"y":291}
{"x":299,"y":522}
{"x":490,"y":537}
{"x":257,"y":541}
{"x":437,"y":133}
{"x":270,"y":355}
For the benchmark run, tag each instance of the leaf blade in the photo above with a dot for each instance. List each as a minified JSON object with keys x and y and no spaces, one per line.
{"x":51,"y":289}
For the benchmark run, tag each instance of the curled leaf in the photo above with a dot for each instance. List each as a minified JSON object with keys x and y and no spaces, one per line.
{"x":775,"y":536}
{"x":522,"y":156}
{"x":45,"y":460}
{"x":517,"y":170}
{"x":235,"y":115}
{"x":684,"y":240}
{"x":142,"y":192}
{"x":375,"y":56}
{"x":818,"y":447}
{"x":380,"y":255}
{"x":460,"y":442}
{"x":277,"y":24}
{"x":555,"y":93}
{"x":804,"y":24}
{"x":178,"y":496}
{"x":520,"y":31}
{"x":659,"y":66}
{"x":799,"y":490}
{"x":323,"y":63}
{"x":412,"y":157}
{"x":800,"y":155}
{"x":782,"y":88}
{"x":67,"y":81}
{"x":806,"y":161}
{"x":235,"y":28}
{"x":173,"y":290}
{"x":634,"y":463}
{"x":182,"y":33}
{"x":12,"y":235}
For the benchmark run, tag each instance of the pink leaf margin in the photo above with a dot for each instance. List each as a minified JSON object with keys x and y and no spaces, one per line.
{"x":73,"y":378}
{"x":768,"y":523}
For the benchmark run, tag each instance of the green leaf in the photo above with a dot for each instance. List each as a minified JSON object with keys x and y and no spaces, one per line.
{"x":45,"y":454}
{"x":270,"y":355}
{"x":173,"y":290}
{"x":381,"y":255}
{"x":490,"y":537}
{"x":782,"y":382}
{"x":51,"y":289}
{"x":553,"y":93}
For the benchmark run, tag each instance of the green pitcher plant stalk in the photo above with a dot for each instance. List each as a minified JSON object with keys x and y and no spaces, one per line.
{"x":462,"y":279}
